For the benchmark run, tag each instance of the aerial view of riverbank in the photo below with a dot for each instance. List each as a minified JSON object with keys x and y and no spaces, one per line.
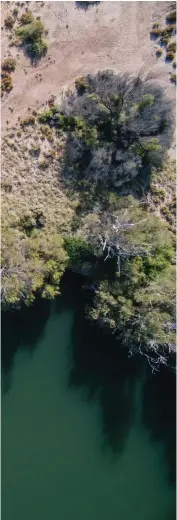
{"x":88,"y":225}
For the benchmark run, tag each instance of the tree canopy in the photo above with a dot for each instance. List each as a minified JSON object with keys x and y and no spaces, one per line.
{"x":119,"y":127}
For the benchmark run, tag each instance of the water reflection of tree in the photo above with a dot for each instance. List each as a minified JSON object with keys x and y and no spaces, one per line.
{"x":21,"y":329}
{"x":102,"y":368}
{"x":159,"y":413}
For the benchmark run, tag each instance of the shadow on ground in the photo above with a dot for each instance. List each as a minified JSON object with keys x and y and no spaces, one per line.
{"x":22,"y":328}
{"x":85,"y":5}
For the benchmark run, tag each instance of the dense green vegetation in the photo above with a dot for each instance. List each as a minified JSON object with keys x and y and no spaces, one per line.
{"x":139,"y":306}
{"x":111,"y":136}
{"x":31,"y":263}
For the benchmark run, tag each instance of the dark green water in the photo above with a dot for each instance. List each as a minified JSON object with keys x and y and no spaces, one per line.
{"x":85,"y":435}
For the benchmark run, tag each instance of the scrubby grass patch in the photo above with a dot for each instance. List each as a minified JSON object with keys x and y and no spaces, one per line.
{"x":37,"y":215}
{"x":9,"y":21}
{"x":28,"y":121}
{"x":26,"y":18}
{"x":163,"y":36}
{"x":162,"y":192}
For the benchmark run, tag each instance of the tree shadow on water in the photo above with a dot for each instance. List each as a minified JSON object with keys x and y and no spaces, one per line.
{"x":159,"y":413}
{"x":102,"y":368}
{"x":21,"y":329}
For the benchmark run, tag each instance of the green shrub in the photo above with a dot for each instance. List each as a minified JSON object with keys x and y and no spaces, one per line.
{"x":165,"y":39}
{"x":81,"y":85}
{"x":15,"y":11}
{"x":173,"y":78}
{"x":169,"y":29}
{"x":174,"y":64}
{"x":172,"y":47}
{"x":6,"y":82}
{"x":46,"y":132}
{"x":43,"y":164}
{"x":171,"y":17}
{"x":77,"y":249}
{"x":46,"y":116}
{"x":158,"y":194}
{"x":31,"y":37}
{"x":28,"y":121}
{"x":30,"y":32}
{"x":37,"y":48}
{"x":159,"y":52}
{"x":156,"y":32}
{"x":6,"y":186}
{"x":35,"y":150}
{"x":9,"y":64}
{"x":26,"y":18}
{"x":52,"y":116}
{"x":170,"y":55}
{"x":165,"y":210}
{"x":9,"y":21}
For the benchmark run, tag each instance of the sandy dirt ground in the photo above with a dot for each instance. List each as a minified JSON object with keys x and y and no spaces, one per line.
{"x":109,"y":35}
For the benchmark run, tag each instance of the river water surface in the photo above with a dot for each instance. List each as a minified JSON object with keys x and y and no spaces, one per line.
{"x":83,"y":438}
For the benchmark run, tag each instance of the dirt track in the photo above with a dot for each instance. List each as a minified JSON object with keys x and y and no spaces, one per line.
{"x":112,"y":35}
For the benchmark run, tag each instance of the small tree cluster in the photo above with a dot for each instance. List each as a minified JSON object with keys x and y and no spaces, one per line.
{"x":139,"y":307}
{"x":138,"y":304}
{"x":31,"y":36}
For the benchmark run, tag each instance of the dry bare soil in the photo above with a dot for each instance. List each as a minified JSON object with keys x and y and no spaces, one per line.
{"x":112,"y":35}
